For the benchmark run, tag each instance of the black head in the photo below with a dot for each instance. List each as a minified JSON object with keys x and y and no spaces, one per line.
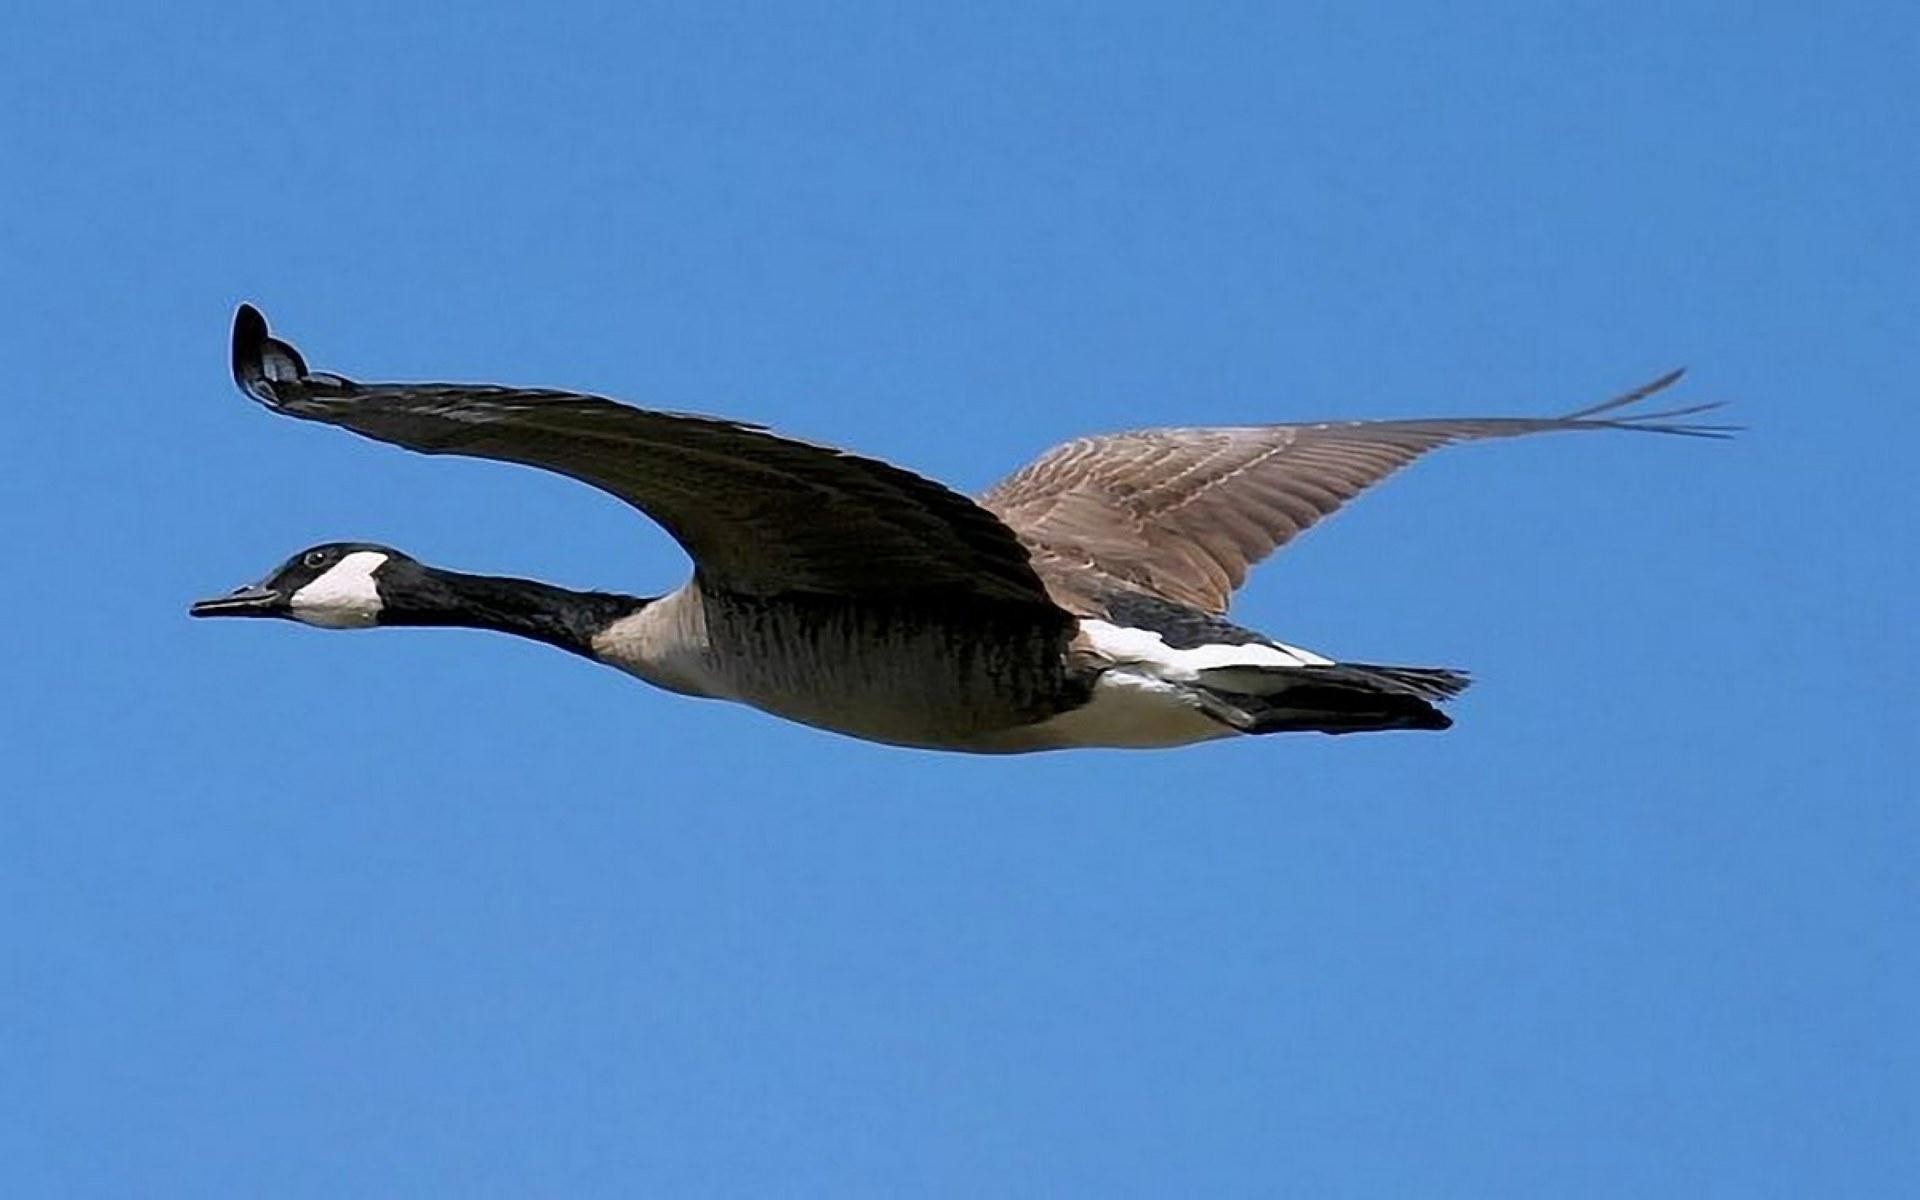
{"x":335,"y":585}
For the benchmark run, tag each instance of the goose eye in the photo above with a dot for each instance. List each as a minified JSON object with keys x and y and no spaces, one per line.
{"x":315,"y":558}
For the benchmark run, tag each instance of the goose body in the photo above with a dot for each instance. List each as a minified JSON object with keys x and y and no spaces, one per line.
{"x":1080,"y":602}
{"x":907,"y":674}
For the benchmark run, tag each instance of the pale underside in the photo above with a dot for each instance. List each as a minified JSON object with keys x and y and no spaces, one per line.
{"x":956,"y":684}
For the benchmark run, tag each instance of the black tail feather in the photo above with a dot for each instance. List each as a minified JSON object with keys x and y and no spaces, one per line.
{"x":1340,"y":698}
{"x":1429,"y":683}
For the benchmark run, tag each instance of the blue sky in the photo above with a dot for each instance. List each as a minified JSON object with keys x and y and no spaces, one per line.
{"x":296,"y":914}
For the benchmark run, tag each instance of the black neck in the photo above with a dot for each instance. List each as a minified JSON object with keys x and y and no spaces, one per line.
{"x":554,"y":615}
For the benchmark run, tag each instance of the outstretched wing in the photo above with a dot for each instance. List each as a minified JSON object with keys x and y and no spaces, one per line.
{"x":1183,"y":514}
{"x":759,"y":513}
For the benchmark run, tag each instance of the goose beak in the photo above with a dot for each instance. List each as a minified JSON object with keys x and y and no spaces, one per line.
{"x":253,"y":600}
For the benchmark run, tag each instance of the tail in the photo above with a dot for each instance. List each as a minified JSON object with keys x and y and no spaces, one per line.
{"x":1337,"y":698}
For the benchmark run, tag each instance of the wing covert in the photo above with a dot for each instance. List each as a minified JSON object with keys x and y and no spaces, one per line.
{"x":759,"y":513}
{"x":1184,"y":514}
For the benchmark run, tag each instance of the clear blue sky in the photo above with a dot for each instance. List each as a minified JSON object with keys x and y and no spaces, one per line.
{"x":291,"y":914}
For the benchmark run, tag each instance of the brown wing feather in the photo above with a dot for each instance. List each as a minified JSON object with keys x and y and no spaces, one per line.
{"x":759,"y":513}
{"x":1184,"y":513}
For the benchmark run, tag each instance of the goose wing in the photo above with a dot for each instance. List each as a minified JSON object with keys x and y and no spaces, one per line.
{"x":1183,"y":514}
{"x":759,"y":513}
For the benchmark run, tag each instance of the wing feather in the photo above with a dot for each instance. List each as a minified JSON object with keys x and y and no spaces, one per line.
{"x":1184,"y":514}
{"x":758,"y":513}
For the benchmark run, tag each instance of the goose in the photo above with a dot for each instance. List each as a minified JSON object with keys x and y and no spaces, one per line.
{"x":1080,"y":602}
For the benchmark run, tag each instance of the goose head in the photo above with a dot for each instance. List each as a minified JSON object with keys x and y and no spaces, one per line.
{"x":357,"y":585}
{"x":335,"y":585}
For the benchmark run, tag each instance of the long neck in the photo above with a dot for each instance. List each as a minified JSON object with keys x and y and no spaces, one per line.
{"x":555,"y":615}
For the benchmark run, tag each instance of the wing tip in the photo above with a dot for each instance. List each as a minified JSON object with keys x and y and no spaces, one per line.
{"x":262,"y":362}
{"x":1609,"y":414}
{"x":1630,"y":397}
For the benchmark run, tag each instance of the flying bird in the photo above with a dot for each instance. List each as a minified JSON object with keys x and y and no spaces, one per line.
{"x":1080,"y":602}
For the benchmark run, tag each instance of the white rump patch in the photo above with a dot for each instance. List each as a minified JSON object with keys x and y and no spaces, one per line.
{"x":1147,"y":699}
{"x":344,"y":597}
{"x":1147,"y":648}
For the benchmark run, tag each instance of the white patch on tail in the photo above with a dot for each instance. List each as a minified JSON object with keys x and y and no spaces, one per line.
{"x":1147,"y":648}
{"x":1149,"y":697}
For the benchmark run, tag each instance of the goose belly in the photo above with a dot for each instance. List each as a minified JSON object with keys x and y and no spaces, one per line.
{"x":1127,"y":710}
{"x":888,"y":674}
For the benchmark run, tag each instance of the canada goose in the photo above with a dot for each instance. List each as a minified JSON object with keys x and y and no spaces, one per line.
{"x":1079,"y":602}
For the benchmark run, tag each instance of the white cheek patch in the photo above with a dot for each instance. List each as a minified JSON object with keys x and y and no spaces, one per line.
{"x":345,"y":597}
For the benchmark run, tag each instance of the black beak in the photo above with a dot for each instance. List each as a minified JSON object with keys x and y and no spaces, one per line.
{"x":254,"y":600}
